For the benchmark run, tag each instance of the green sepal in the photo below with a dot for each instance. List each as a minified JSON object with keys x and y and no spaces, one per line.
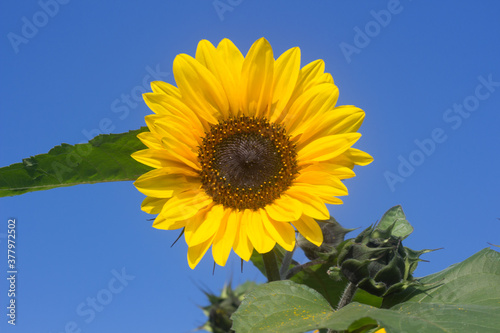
{"x":222,"y":307}
{"x":376,"y":260}
{"x":333,"y":235}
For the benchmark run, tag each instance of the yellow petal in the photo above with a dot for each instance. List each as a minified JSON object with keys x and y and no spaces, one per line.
{"x":315,"y":177}
{"x":181,"y":207}
{"x":242,"y":245}
{"x":352,"y":157}
{"x":326,"y":78}
{"x":260,"y":238}
{"x":309,"y":76}
{"x":321,"y":190}
{"x":286,"y":72}
{"x":337,"y":121}
{"x":359,"y":157}
{"x":155,"y":102}
{"x":192,"y":224}
{"x":232,"y":57}
{"x":327,"y":147}
{"x":331,"y":200}
{"x":335,"y":170}
{"x":181,"y":152}
{"x":208,"y":56}
{"x":257,"y":79}
{"x":282,"y":233}
{"x":160,"y":159}
{"x":224,"y":238}
{"x":311,"y":205}
{"x":199,"y":88}
{"x":165,"y":88}
{"x":170,"y":225}
{"x":310,"y":105}
{"x":151,"y":140}
{"x":150,"y":122}
{"x":320,"y":178}
{"x":285,"y":209}
{"x":153,"y":205}
{"x":195,"y":253}
{"x":234,"y":61}
{"x":164,"y":104}
{"x":179,"y":129}
{"x":151,"y":157}
{"x":345,"y":118}
{"x":157,"y":183}
{"x":208,"y":227}
{"x":310,"y":229}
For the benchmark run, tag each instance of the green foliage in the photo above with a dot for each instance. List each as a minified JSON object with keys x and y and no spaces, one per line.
{"x":333,"y":235}
{"x":376,"y":260}
{"x":316,"y":277}
{"x":222,"y":307}
{"x":395,"y":219}
{"x":281,"y":306}
{"x":465,"y":297}
{"x":105,"y":158}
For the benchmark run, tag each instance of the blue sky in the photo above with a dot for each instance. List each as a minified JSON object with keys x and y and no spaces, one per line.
{"x":427,"y":76}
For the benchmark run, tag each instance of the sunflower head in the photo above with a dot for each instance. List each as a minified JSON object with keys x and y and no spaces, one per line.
{"x":246,"y":150}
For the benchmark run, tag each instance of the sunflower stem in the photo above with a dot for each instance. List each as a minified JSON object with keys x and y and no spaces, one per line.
{"x":346,"y":298}
{"x":285,"y":264}
{"x":271,"y":266}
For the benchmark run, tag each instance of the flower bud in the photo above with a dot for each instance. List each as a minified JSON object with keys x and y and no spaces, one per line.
{"x":377,"y":262}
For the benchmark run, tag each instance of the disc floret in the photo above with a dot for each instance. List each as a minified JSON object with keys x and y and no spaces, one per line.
{"x":247,"y":162}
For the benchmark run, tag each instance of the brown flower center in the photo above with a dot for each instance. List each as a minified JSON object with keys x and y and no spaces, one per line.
{"x":246,"y":163}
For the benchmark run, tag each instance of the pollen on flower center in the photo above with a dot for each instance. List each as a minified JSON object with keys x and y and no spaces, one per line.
{"x":246,"y":162}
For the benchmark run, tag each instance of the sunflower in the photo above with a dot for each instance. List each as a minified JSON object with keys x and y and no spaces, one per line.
{"x":246,"y":150}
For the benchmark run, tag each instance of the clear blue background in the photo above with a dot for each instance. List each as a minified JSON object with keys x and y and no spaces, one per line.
{"x":64,"y":80}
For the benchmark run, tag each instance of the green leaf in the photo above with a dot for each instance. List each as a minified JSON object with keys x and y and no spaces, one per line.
{"x":288,"y":307}
{"x":465,"y":297}
{"x":105,"y":158}
{"x":475,"y":280}
{"x":395,"y":215}
{"x":317,"y":278}
{"x":281,"y":306}
{"x":424,"y":318}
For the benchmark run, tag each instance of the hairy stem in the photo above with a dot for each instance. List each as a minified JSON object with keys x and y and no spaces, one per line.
{"x":346,"y":298}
